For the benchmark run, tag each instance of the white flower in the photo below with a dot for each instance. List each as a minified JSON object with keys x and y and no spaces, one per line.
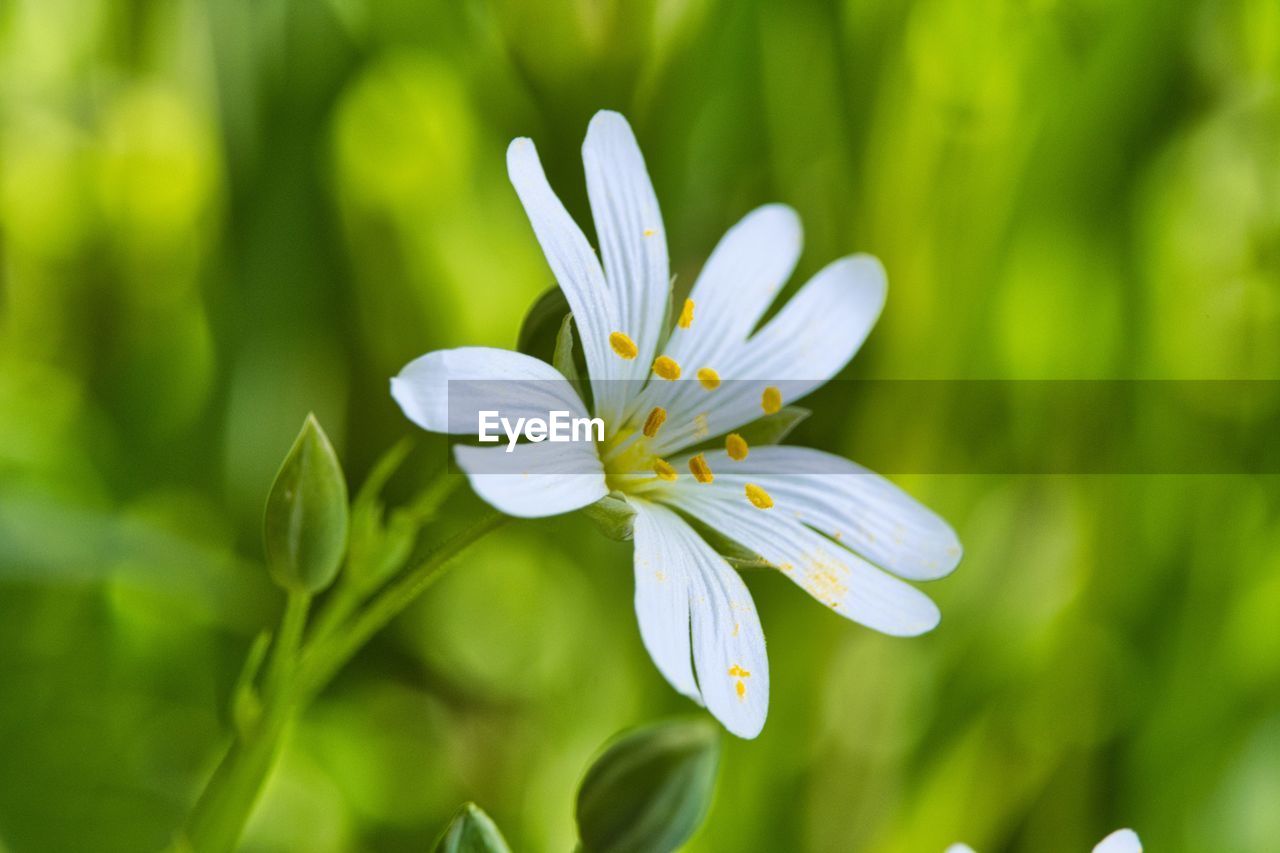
{"x":1120,"y":841}
{"x":834,"y":528}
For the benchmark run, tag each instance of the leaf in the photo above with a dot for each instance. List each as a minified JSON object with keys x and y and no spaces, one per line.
{"x":612,"y":516}
{"x":306,"y":518}
{"x":541,"y":324}
{"x":772,"y":429}
{"x":650,"y":789}
{"x":471,"y":831}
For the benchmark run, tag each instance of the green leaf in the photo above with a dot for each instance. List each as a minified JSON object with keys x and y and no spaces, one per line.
{"x":612,"y":516}
{"x":650,"y":789}
{"x":772,"y":429}
{"x":471,"y":831}
{"x":563,"y":359}
{"x":305,"y":522}
{"x":542,"y":323}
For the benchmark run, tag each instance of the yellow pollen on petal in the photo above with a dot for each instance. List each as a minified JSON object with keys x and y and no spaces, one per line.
{"x":736,"y":446}
{"x":648,"y":232}
{"x":738,"y":672}
{"x":759,"y":497}
{"x":623,"y":345}
{"x":700,"y":469}
{"x":741,"y":687}
{"x":657,"y":417}
{"x":664,"y":470}
{"x":665,"y":366}
{"x":686,"y":315}
{"x":709,"y":378}
{"x":771,"y":400}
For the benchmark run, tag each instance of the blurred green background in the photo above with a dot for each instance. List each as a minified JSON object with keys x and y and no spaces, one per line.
{"x":216,"y":216}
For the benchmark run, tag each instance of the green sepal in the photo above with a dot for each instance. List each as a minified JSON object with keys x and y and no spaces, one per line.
{"x":306,"y":518}
{"x":613,"y":516}
{"x":471,"y":831}
{"x":563,"y":358}
{"x":650,"y":789}
{"x":541,"y":323}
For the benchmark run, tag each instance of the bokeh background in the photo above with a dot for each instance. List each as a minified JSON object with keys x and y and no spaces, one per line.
{"x":217,"y":216}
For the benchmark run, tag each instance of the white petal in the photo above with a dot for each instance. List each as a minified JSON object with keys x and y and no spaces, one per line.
{"x":1120,"y":841}
{"x":663,"y":588}
{"x":830,"y":573}
{"x":861,"y":510}
{"x":959,"y":848}
{"x":444,"y":390}
{"x":577,"y":269}
{"x":629,"y":227}
{"x":738,"y":284}
{"x":534,"y":480}
{"x":810,"y":340}
{"x":727,"y":641}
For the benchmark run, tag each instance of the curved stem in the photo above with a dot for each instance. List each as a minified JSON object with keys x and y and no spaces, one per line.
{"x":321,"y":663}
{"x":293,"y":677}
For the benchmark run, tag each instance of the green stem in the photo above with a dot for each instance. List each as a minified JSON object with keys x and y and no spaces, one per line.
{"x":294,"y":675}
{"x":322,"y":662}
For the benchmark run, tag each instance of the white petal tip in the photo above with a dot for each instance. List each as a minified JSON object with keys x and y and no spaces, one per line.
{"x":1120,"y":841}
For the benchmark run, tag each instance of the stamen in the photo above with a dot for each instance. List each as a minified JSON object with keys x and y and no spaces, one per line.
{"x":771,"y":400}
{"x":759,"y":497}
{"x":700,"y":425}
{"x":654,"y":422}
{"x":623,"y":345}
{"x":709,"y":378}
{"x":664,"y":470}
{"x":686,"y":315}
{"x":666,"y":367}
{"x":736,"y":446}
{"x":700,"y":469}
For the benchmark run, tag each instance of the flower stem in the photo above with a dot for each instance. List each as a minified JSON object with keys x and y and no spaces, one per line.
{"x":322,"y":663}
{"x":294,"y":675}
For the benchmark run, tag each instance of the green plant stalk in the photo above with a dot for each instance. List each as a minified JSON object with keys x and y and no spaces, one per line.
{"x":294,"y":675}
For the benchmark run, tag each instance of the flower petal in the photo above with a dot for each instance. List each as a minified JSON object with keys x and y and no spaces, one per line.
{"x":632,"y":239}
{"x":738,"y":284}
{"x":534,"y":480}
{"x":826,"y":570}
{"x":482,"y":378}
{"x":596,"y":310}
{"x":860,"y":509}
{"x":810,"y":340}
{"x":727,"y":641}
{"x":1120,"y":841}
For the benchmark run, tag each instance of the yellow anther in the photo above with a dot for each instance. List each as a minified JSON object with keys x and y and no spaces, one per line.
{"x":700,"y":469}
{"x":709,"y":378}
{"x":771,"y":400}
{"x":648,"y":232}
{"x":664,"y":470}
{"x":736,"y":446}
{"x":759,"y":497}
{"x":686,"y":315}
{"x":657,"y":417}
{"x":700,"y":425}
{"x":623,"y":345}
{"x":666,"y":367}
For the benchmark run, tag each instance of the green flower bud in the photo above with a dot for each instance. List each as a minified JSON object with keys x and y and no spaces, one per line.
{"x":650,"y":789}
{"x":471,"y":831}
{"x":305,"y":522}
